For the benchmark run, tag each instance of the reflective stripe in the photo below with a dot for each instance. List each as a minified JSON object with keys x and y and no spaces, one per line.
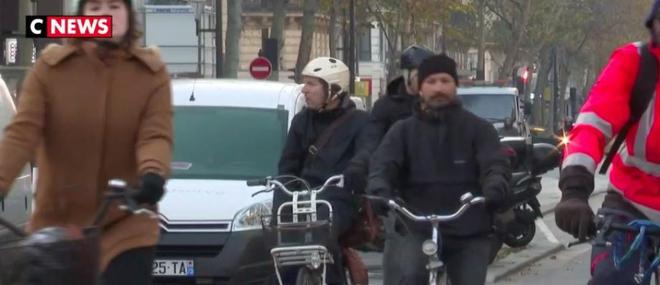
{"x":592,"y":119}
{"x":638,"y":45}
{"x":639,"y":163}
{"x":644,"y":129}
{"x":579,"y":158}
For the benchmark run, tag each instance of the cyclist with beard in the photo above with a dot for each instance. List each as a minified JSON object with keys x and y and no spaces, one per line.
{"x":434,"y":157}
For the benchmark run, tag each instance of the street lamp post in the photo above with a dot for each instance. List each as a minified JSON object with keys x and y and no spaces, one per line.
{"x":198,"y":8}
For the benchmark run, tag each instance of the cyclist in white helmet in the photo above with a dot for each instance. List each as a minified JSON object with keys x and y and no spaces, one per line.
{"x":328,"y":109}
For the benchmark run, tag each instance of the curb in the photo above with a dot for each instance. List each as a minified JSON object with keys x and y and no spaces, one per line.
{"x":505,"y":272}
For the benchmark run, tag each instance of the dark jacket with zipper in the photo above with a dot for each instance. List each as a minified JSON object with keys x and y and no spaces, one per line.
{"x":331,"y":159}
{"x":435,"y":157}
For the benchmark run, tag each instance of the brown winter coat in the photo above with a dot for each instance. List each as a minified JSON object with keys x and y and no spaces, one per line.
{"x":91,"y":116}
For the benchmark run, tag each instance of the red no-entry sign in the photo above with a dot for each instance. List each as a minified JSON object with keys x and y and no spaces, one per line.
{"x":260,"y":68}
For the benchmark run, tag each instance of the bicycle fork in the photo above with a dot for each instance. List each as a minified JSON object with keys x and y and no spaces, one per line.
{"x":431,"y":248}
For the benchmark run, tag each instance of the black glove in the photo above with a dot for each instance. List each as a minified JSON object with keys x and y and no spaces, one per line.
{"x":355,"y":180}
{"x":573,"y":213}
{"x":380,"y":208}
{"x":151,"y":189}
{"x":496,"y":192}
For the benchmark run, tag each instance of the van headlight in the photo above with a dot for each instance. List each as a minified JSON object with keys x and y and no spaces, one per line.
{"x":249,"y":218}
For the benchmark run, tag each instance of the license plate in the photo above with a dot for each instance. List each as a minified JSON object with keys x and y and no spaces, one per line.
{"x":173,"y":268}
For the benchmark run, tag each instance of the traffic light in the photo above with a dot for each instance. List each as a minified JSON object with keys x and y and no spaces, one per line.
{"x":522,"y":79}
{"x":525,"y":76}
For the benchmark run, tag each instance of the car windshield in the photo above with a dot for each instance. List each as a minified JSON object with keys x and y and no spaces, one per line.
{"x":227,"y":142}
{"x":492,"y":107}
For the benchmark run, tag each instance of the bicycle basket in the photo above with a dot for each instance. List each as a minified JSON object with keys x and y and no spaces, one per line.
{"x":45,"y":257}
{"x":301,"y":233}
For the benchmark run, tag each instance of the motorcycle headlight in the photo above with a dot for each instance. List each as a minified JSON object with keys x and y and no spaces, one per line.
{"x":249,"y":218}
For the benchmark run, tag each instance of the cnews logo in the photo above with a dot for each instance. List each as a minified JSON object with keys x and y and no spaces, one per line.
{"x":68,"y":26}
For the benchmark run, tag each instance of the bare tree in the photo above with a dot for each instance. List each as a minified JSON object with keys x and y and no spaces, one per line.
{"x":277,"y":32}
{"x":332,"y":28}
{"x":307,"y":36}
{"x":234,"y":27}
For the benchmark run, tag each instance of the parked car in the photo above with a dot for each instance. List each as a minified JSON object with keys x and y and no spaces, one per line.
{"x":504,"y":109}
{"x":499,"y":105}
{"x":17,"y":206}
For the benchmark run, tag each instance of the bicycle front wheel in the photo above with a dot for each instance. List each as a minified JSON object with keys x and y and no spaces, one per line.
{"x":443,"y":279}
{"x":308,"y":277}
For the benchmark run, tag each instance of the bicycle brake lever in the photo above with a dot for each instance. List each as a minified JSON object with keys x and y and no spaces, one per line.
{"x":260,"y":192}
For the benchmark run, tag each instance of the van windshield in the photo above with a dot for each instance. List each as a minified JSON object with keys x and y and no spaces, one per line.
{"x":227,"y":142}
{"x":492,"y":107}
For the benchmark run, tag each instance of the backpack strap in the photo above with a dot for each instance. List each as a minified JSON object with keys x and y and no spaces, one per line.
{"x":640,"y":98}
{"x":327,"y":133}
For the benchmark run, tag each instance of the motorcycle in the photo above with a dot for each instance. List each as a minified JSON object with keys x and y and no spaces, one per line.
{"x":516,"y":226}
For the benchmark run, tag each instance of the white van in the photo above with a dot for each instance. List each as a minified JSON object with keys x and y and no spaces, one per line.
{"x":226,"y":132}
{"x":17,"y":206}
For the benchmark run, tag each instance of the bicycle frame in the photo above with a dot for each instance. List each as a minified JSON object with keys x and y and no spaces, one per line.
{"x":305,"y":204}
{"x":651,"y":234}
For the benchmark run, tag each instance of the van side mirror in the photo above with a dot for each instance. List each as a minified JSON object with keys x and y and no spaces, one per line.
{"x":545,"y":157}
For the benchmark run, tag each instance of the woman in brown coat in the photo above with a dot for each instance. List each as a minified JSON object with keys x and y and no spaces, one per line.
{"x":95,"y":110}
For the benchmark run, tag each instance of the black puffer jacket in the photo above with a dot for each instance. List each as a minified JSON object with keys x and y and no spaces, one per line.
{"x":436,"y":157}
{"x":396,"y":105}
{"x":333,"y":158}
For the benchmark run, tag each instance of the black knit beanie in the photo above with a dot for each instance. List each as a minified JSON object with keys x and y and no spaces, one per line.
{"x":437,"y":64}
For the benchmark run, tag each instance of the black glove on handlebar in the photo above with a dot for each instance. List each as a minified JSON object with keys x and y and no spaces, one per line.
{"x":573,"y":213}
{"x":151,"y":189}
{"x":355,"y":180}
{"x":496,"y":192}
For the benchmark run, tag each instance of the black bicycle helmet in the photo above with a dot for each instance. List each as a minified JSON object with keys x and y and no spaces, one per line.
{"x":413,"y":56}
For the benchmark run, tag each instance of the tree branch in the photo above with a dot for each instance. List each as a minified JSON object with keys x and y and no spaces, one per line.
{"x":381,"y":22}
{"x":500,"y":15}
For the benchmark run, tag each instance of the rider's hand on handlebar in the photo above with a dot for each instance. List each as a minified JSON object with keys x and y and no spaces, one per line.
{"x":574,"y":215}
{"x":380,"y":209}
{"x":151,"y":189}
{"x":355,"y":180}
{"x":496,"y":194}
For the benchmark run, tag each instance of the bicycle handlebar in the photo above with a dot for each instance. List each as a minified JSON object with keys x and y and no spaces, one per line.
{"x":467,"y":201}
{"x":256,"y":182}
{"x":271,"y":183}
{"x":606,"y":227}
{"x":118,"y":190}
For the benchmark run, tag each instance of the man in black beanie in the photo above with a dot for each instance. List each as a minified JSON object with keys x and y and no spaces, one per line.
{"x":434,"y":157}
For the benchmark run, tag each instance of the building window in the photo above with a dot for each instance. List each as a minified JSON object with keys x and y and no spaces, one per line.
{"x":364,"y":45}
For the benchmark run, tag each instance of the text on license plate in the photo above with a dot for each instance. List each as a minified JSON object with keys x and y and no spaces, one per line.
{"x":173,"y":268}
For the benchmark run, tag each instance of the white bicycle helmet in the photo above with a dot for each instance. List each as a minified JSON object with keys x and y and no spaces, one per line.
{"x":331,"y":70}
